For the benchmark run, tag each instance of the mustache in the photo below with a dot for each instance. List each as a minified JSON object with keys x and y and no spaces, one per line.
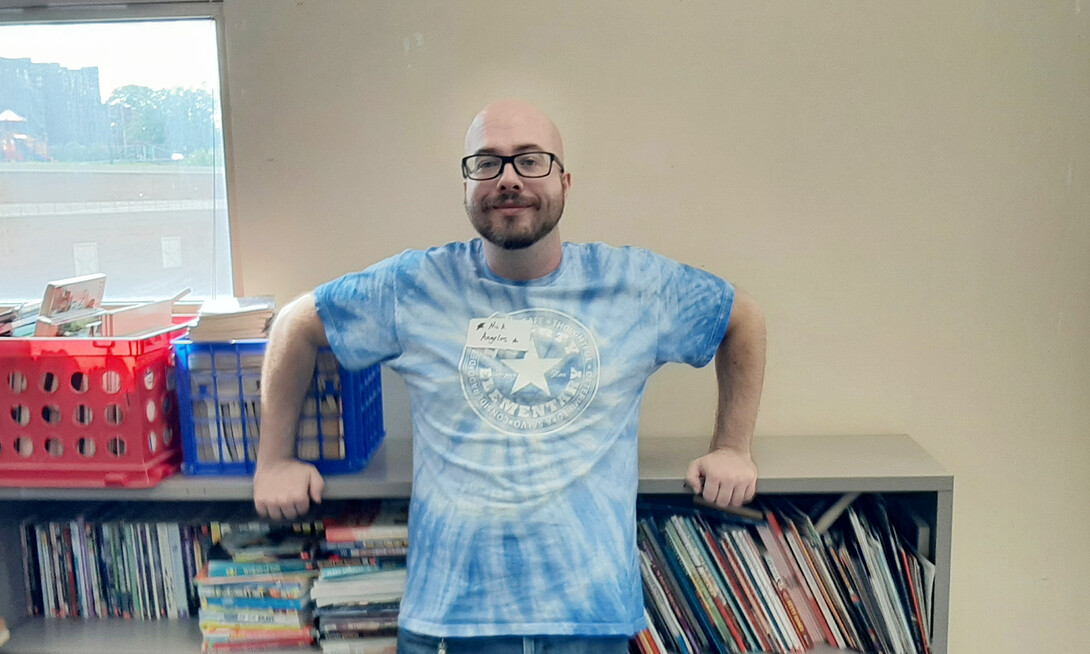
{"x":509,"y":198}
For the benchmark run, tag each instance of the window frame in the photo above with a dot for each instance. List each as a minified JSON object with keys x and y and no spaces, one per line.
{"x":34,"y":12}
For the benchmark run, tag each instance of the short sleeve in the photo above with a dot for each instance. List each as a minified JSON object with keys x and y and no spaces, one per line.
{"x":359,"y":313}
{"x":695,"y":308}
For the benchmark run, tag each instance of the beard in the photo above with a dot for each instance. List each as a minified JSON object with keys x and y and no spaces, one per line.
{"x":501,"y":234}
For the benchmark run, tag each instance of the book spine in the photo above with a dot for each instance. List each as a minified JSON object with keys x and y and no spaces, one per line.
{"x":177,"y":563}
{"x":880,"y":584}
{"x":656,"y":638}
{"x":107,"y":571}
{"x":736,"y":594}
{"x":374,"y":534}
{"x":720,"y":633}
{"x":693,"y":632}
{"x":706,"y":568}
{"x":658,"y":599}
{"x":60,"y":579}
{"x":259,"y":645}
{"x":793,"y":573}
{"x":32,"y":575}
{"x":811,"y":567}
{"x":706,"y":631}
{"x":75,"y":532}
{"x":924,"y":637}
{"x":788,"y":602}
{"x":275,"y":603}
{"x":95,"y":571}
{"x":831,"y":591}
{"x":45,"y":565}
{"x":189,"y":562}
{"x":165,"y":569}
{"x":867,"y":636}
{"x":71,"y":572}
{"x":215,"y":617}
{"x":230,"y":569}
{"x":859,"y":579}
{"x":124,"y":570}
{"x":768,"y":602}
{"x":140,"y":571}
{"x":762,"y":627}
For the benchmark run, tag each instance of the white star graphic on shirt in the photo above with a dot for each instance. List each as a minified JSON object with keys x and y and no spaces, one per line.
{"x":531,"y":369}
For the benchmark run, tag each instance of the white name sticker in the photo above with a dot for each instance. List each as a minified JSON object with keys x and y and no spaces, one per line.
{"x":499,"y":333}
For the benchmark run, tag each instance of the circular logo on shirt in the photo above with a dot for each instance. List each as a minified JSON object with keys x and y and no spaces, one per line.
{"x":542,"y":385}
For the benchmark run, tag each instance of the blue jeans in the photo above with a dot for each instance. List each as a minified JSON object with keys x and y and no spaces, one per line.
{"x":412,"y":643}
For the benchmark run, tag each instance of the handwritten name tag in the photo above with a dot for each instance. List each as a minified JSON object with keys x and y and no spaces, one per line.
{"x":499,"y":333}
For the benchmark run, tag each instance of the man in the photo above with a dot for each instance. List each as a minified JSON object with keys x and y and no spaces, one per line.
{"x":525,"y":359}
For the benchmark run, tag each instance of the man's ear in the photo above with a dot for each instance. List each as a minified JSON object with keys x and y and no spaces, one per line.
{"x":565,"y":184}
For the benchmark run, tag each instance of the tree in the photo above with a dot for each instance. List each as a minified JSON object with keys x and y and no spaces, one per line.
{"x":137,"y":113}
{"x":168,"y":120}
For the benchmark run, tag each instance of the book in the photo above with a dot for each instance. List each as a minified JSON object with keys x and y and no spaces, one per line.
{"x":655,"y":596}
{"x":71,"y":305}
{"x":371,"y":521}
{"x":649,"y":539}
{"x":694,"y":532}
{"x":23,"y":321}
{"x":276,"y":603}
{"x":789,"y":582}
{"x":216,"y":617}
{"x":806,"y":542}
{"x":703,"y":607}
{"x":232,"y":569}
{"x":225,"y":319}
{"x":271,"y":587}
{"x":380,"y":645}
{"x":141,"y":319}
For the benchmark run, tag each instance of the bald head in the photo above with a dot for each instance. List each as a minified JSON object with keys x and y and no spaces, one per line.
{"x":511,"y":125}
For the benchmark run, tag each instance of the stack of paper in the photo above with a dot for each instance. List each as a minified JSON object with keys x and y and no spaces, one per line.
{"x":226,"y":319}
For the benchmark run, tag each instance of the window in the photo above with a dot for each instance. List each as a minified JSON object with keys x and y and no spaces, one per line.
{"x":112,"y":152}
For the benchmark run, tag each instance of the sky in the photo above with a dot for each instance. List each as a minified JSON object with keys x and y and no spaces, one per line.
{"x":157,"y":54}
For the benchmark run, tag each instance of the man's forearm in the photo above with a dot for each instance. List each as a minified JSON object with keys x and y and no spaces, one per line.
{"x":739,"y":369}
{"x":286,"y":373}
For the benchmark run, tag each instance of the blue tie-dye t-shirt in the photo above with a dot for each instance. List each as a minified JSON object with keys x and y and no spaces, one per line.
{"x":522,"y":519}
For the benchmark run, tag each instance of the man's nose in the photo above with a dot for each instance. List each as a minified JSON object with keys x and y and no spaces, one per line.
{"x":509,"y":177}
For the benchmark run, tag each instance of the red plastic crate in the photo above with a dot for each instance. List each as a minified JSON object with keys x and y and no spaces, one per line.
{"x":88,"y":412}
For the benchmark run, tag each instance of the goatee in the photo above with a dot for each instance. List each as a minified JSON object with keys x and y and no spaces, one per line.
{"x":507,"y":239}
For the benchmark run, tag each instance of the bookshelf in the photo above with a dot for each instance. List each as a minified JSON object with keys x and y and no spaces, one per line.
{"x":888,"y":464}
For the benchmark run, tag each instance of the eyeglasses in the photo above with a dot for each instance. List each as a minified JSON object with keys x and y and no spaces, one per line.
{"x":480,"y":167}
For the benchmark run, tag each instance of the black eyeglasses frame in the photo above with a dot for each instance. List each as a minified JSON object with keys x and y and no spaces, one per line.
{"x":505,"y":159}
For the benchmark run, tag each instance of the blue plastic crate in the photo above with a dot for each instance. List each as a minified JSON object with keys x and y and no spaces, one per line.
{"x":219,"y":397}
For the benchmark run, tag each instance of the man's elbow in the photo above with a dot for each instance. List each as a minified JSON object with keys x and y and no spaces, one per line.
{"x":299,"y":319}
{"x":746,"y":316}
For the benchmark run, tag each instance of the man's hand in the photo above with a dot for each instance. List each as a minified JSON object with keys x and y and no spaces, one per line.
{"x":724,"y":477}
{"x":284,"y":490}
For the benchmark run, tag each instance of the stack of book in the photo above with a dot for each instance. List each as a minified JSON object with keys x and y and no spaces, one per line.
{"x":362,"y":579}
{"x":714,"y":583}
{"x":259,"y":598}
{"x":226,"y":319}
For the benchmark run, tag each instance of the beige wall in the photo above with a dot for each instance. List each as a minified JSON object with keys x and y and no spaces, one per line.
{"x":904,"y":187}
